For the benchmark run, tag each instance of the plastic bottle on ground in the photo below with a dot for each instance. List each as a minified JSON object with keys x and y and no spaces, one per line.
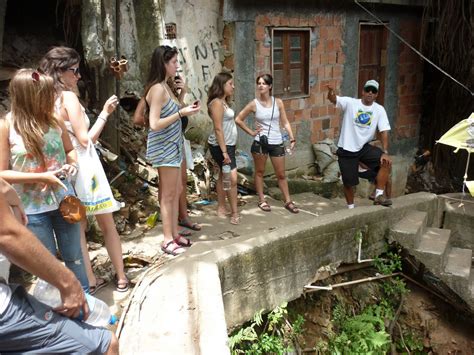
{"x":99,"y":312}
{"x":226,"y":183}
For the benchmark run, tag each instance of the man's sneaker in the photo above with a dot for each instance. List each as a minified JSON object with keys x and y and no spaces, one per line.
{"x":382,"y":200}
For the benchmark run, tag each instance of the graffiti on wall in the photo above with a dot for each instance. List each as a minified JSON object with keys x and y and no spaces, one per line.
{"x":200,"y":63}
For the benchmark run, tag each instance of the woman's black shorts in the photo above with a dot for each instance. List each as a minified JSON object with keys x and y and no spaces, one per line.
{"x":216,"y":154}
{"x":273,"y":150}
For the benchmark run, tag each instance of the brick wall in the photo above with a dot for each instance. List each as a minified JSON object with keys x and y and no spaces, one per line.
{"x":410,"y":83}
{"x":326,"y":66}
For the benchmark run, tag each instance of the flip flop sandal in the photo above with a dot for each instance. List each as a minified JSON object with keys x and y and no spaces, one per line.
{"x":178,"y":240}
{"x":100,"y":283}
{"x":264,"y":206}
{"x":235,"y":220}
{"x":185,"y":233}
{"x":171,"y":251}
{"x":188,"y":224}
{"x":290,"y":206}
{"x":121,"y":286}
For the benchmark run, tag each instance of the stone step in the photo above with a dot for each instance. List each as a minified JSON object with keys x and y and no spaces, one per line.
{"x":432,"y":248}
{"x":408,"y":229}
{"x":457,"y":272}
{"x":458,"y":263}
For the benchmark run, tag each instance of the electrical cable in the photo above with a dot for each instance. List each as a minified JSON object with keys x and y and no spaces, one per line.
{"x":413,"y":48}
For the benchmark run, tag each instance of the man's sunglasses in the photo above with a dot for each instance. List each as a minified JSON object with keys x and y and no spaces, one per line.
{"x":371,"y":89}
{"x":75,"y":71}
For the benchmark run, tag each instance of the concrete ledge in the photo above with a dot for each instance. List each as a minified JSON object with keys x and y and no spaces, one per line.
{"x":187,"y":306}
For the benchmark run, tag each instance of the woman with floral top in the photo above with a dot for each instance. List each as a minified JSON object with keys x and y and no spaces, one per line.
{"x":34,"y":150}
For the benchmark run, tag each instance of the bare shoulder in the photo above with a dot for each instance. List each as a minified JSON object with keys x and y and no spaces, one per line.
{"x":69,"y":98}
{"x":251,"y":106}
{"x":279,"y":103}
{"x":156,"y":92}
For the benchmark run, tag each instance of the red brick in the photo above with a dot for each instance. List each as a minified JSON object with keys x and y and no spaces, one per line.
{"x":333,"y":32}
{"x":294,"y":22}
{"x":290,"y":115}
{"x":259,"y":33}
{"x":263,"y":20}
{"x":337,"y":71}
{"x":298,"y":115}
{"x":332,"y":58}
{"x":331,"y":109}
{"x":229,"y":62}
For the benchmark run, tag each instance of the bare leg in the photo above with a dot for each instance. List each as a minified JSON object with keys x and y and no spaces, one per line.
{"x":221,"y":203}
{"x":85,"y":255}
{"x":383,"y":176}
{"x":232,"y":194}
{"x":259,"y":161}
{"x":183,"y":203}
{"x":169,"y":200}
{"x":279,"y":167}
{"x":112,"y":243}
{"x":349,"y":194}
{"x":113,"y":348}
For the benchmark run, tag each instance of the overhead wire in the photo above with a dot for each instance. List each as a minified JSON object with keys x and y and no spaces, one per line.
{"x":412,"y":48}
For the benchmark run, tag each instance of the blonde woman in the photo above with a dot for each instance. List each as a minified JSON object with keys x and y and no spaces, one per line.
{"x":62,"y":63}
{"x":34,"y":150}
{"x":223,"y":140}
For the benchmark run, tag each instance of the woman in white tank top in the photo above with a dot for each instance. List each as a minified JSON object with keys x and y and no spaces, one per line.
{"x":270,"y":115}
{"x":223,"y":140}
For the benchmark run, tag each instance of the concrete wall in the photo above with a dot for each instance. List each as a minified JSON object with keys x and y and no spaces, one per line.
{"x":268,"y":270}
{"x":199,"y":32}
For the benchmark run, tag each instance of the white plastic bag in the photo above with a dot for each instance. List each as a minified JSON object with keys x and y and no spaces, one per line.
{"x":188,"y":154}
{"x":91,"y":185}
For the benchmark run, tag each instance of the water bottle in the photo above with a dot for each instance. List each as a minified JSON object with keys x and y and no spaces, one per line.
{"x":286,"y":141}
{"x":226,"y":177}
{"x":99,"y":312}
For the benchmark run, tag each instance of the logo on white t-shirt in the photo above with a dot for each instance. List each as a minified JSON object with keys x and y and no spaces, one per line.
{"x":363,"y":118}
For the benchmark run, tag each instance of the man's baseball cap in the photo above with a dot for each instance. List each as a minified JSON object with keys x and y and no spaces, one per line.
{"x":372,"y":84}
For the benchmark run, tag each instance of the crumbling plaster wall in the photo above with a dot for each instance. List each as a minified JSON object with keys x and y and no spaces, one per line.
{"x":198,"y":41}
{"x":141,"y":28}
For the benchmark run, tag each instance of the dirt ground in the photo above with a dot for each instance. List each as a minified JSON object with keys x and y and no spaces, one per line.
{"x":432,"y":322}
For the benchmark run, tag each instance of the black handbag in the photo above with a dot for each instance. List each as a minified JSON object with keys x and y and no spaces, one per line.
{"x":263,"y":139}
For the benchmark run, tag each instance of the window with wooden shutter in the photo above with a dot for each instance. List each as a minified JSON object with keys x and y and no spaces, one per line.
{"x":290,"y":62}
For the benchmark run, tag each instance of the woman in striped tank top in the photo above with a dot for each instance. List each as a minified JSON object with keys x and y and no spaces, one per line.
{"x":165,"y":141}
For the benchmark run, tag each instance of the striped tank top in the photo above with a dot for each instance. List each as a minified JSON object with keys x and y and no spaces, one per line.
{"x":165,"y":147}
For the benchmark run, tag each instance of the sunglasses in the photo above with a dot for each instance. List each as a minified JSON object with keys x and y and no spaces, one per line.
{"x":75,"y":71}
{"x":371,"y":89}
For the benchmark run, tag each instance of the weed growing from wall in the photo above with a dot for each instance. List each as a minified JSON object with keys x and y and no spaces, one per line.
{"x":270,"y":334}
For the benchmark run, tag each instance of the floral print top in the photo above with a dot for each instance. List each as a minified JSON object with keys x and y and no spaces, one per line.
{"x":35,"y":197}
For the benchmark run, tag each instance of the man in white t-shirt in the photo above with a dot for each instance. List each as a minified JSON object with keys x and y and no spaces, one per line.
{"x":362,"y":118}
{"x":27,"y":325}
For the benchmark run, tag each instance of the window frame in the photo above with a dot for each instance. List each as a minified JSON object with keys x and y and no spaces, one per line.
{"x":305,"y":57}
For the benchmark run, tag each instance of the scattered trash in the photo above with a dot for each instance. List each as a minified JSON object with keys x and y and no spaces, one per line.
{"x":152,"y":219}
{"x":205,"y":202}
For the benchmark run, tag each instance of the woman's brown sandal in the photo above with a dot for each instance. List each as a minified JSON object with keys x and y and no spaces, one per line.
{"x":290,"y":206}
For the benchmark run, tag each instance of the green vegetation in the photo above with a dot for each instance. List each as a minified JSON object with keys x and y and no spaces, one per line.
{"x":370,"y":330}
{"x":277,"y":336}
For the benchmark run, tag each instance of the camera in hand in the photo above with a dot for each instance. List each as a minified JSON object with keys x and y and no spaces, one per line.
{"x":61,"y":176}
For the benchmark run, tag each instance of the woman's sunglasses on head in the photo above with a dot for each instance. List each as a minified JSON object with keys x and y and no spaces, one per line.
{"x":75,"y":71}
